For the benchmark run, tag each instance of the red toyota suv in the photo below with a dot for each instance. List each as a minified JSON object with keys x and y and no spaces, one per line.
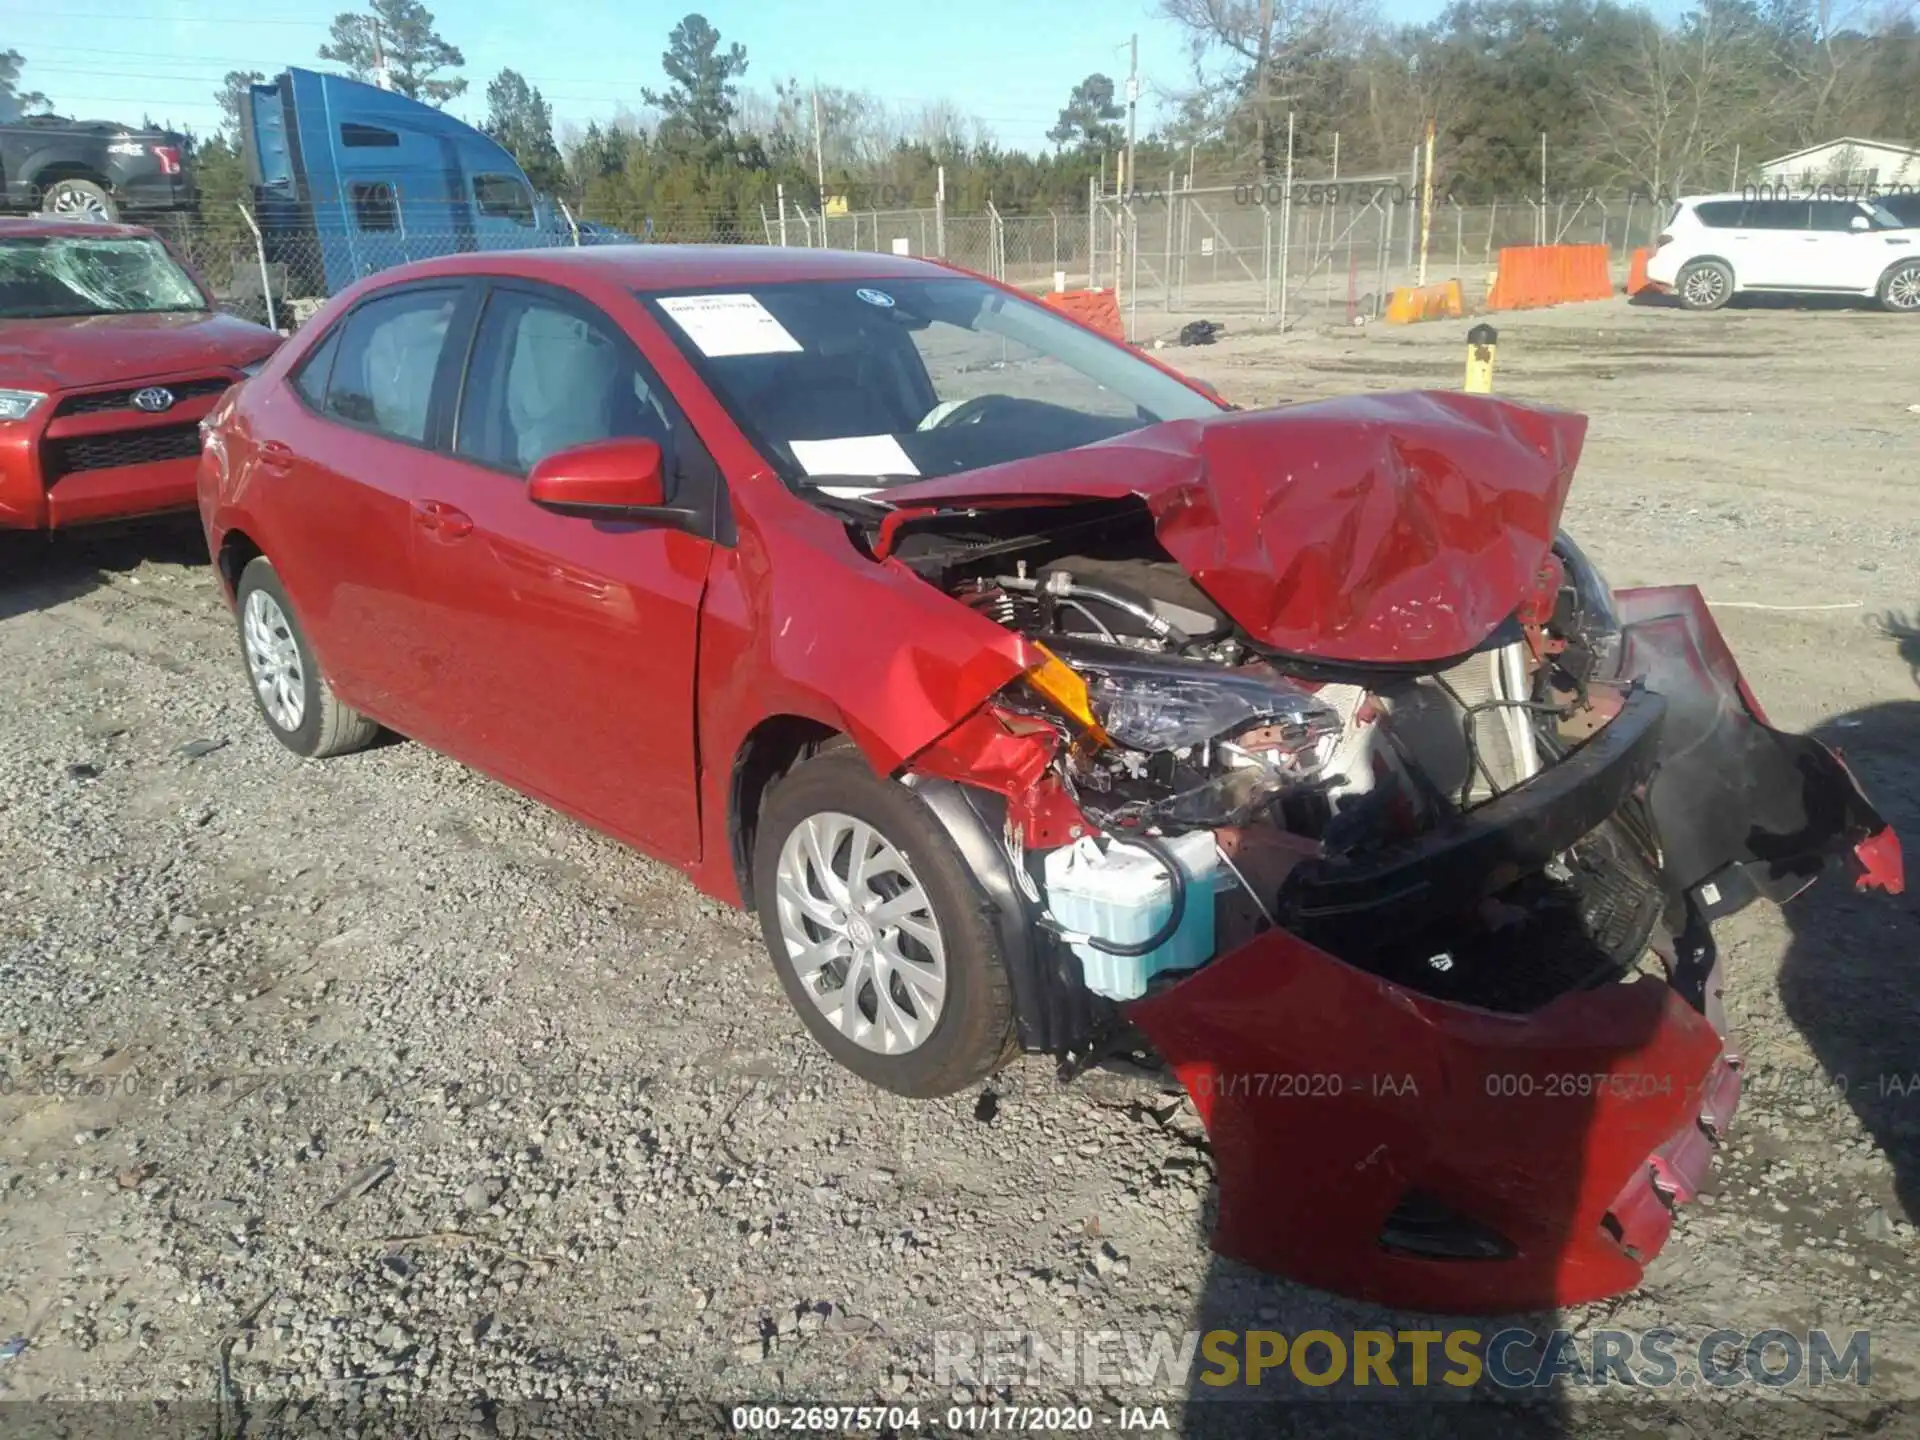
{"x":110,"y":354}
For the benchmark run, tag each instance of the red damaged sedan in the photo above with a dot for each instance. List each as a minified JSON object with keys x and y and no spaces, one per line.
{"x":1037,"y":700}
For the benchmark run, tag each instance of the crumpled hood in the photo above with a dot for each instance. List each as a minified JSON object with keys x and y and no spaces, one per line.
{"x":65,"y":352}
{"x":1396,"y":528}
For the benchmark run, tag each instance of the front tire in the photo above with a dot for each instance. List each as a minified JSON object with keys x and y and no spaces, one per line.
{"x":1900,"y":288}
{"x":295,"y":700}
{"x":1704,"y":285}
{"x":79,"y":200}
{"x":881,"y":935}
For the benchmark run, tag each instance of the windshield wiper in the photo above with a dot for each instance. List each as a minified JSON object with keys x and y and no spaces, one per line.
{"x":850,"y":496}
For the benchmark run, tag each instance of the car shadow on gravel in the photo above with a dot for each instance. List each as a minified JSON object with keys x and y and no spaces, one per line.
{"x":1764,"y":300}
{"x":1851,"y":978}
{"x":38,"y":572}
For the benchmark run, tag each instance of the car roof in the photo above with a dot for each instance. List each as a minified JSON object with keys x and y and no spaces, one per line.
{"x":1764,"y":194}
{"x":672,"y":267}
{"x":15,"y":227}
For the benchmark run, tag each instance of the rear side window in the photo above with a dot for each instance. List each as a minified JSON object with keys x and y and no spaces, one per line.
{"x":310,"y":380}
{"x":503,"y":196}
{"x":389,"y":351}
{"x":1719,"y":214}
{"x":1779,"y":215}
{"x":356,"y":136}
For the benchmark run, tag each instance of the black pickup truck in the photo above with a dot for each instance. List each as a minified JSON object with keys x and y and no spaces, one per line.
{"x":93,"y":169}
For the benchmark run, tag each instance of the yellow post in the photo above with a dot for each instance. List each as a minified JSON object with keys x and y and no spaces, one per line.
{"x":1480,"y":343}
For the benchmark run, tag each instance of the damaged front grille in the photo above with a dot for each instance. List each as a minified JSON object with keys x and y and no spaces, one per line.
{"x":118,"y":448}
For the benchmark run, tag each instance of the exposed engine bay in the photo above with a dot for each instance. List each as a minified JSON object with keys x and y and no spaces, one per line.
{"x":1307,"y":774}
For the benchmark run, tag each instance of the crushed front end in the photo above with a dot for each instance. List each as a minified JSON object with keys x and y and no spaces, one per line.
{"x":1453,"y":1021}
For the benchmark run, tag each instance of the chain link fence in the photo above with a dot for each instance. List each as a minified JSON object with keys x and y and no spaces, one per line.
{"x":1324,"y":251}
{"x":1321,"y":252}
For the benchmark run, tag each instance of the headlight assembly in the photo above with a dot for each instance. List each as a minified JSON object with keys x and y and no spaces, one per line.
{"x":18,"y":404}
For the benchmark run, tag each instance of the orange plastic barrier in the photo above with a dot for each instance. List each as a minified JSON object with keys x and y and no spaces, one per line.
{"x":1534,"y":275}
{"x":1637,"y":271}
{"x":1097,"y":308}
{"x":1411,"y":303}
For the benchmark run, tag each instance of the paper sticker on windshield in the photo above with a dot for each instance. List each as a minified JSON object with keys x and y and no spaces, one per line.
{"x":876,"y":297}
{"x":854,"y":455}
{"x":721,"y":325}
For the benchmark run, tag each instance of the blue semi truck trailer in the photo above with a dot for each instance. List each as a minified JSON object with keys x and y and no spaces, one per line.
{"x":349,"y":179}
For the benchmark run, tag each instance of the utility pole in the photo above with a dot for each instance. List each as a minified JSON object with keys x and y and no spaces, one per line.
{"x":1133,"y":100}
{"x":1262,"y":145}
{"x":819,"y":150}
{"x":1543,"y":187}
{"x":1426,"y":205}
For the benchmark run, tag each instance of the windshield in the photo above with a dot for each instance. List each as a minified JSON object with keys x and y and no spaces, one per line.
{"x":44,"y":275}
{"x":871,"y":381}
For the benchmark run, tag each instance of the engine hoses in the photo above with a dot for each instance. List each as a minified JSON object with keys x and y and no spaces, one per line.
{"x":1176,"y":895}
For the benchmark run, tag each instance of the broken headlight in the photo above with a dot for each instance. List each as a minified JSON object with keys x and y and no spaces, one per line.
{"x":1152,"y":711}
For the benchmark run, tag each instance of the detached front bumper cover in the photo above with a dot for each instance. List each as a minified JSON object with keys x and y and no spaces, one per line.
{"x":1388,"y":1145}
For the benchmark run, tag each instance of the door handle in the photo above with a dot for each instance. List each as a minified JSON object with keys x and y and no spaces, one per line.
{"x":437,"y":517}
{"x":276,"y":456}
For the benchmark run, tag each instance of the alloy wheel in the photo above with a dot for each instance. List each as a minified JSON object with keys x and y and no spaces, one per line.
{"x":273,"y":660}
{"x":72,"y":203}
{"x":860,"y":932}
{"x":1705,"y":287}
{"x":1903,"y":289}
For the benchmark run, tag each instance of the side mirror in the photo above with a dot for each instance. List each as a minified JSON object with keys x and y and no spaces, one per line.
{"x":608,"y":480}
{"x":1860,"y":222}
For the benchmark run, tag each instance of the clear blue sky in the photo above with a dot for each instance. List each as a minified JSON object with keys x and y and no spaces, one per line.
{"x":1011,"y":63}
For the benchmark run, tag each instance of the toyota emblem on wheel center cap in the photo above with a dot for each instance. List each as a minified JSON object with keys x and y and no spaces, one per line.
{"x":153,"y":399}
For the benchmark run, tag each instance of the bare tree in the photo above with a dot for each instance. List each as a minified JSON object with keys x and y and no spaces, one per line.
{"x":1674,"y":120}
{"x":1271,"y":56}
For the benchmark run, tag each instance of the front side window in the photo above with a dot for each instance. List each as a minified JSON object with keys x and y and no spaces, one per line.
{"x":47,"y":275}
{"x":879,"y":380}
{"x":545,"y":377}
{"x":1836,"y":215}
{"x":503,"y":196}
{"x":388,"y":354}
{"x":373,"y":207}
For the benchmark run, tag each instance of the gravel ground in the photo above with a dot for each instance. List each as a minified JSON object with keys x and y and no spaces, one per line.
{"x":398,"y":1086}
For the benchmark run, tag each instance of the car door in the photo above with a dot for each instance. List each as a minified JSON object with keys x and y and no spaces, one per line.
{"x":1773,"y":244}
{"x":341,"y":449}
{"x":563,"y":648}
{"x":1845,"y":256}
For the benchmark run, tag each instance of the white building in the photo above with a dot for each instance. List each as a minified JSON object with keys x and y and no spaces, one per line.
{"x":1868,"y":164}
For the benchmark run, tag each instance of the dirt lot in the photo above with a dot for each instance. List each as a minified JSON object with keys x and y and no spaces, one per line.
{"x":403,"y":1086}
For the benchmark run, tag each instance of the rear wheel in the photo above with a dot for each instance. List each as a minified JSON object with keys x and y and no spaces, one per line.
{"x":1900,"y":288}
{"x":880,"y":933}
{"x":294,"y":698}
{"x":78,"y":200}
{"x":1705,"y":285}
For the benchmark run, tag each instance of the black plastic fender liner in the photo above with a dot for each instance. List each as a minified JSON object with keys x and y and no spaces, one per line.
{"x":1731,"y":793}
{"x":1350,"y":901}
{"x":975,"y":819}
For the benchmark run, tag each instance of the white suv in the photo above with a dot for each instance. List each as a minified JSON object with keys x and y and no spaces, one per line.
{"x":1717,"y":246}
